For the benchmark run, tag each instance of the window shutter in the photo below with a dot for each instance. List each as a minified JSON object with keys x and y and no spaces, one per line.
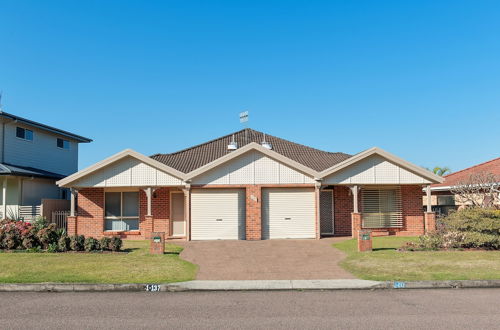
{"x":381,"y":207}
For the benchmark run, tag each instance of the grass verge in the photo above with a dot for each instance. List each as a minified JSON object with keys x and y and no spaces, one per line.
{"x":384,"y":263}
{"x":137,"y":266}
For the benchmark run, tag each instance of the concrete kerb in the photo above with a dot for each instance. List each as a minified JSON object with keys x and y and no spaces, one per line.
{"x":260,"y":285}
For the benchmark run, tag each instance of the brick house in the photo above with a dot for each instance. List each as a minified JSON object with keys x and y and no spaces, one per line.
{"x":249,"y":185}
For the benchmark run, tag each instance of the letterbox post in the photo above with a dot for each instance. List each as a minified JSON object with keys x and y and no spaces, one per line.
{"x":157,"y":243}
{"x":364,"y":240}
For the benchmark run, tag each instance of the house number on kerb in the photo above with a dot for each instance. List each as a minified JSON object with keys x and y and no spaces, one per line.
{"x":153,"y":287}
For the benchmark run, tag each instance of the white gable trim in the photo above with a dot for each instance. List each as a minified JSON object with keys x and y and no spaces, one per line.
{"x":253,"y":146}
{"x":68,"y":181}
{"x":390,"y":157}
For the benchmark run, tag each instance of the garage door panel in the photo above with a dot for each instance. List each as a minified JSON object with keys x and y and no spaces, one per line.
{"x":288,"y":213}
{"x":217,"y":214}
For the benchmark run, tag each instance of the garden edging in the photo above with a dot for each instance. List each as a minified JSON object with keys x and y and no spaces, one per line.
{"x":260,"y":285}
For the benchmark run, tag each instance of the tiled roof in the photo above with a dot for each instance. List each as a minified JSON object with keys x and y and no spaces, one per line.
{"x":7,"y":169}
{"x":492,"y":166}
{"x":192,"y":158}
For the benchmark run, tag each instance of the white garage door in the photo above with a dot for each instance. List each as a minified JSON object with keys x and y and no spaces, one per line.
{"x":288,"y":213}
{"x":217,"y":214}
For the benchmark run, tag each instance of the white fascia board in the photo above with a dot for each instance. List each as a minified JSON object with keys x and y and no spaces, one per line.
{"x":392,"y":158}
{"x":249,"y":147}
{"x":66,"y":182}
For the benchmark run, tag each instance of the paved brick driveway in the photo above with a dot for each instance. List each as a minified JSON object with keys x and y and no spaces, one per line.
{"x":265,"y":260}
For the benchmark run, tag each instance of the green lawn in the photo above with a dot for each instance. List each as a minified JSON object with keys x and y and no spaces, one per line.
{"x":384,"y":263}
{"x":138,"y":266}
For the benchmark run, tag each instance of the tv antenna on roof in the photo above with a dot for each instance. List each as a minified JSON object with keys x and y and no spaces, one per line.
{"x":244,"y":121}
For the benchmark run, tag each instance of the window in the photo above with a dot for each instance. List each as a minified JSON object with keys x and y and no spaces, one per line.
{"x":121,"y":211}
{"x":24,"y":133}
{"x":381,"y":207}
{"x":63,"y":144}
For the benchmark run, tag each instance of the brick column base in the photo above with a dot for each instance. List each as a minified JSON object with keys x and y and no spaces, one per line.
{"x":71,"y":225}
{"x":430,"y":222}
{"x":356,"y":224}
{"x":148,"y":226}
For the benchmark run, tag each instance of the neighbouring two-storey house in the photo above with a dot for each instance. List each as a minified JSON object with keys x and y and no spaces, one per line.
{"x":33,"y":156}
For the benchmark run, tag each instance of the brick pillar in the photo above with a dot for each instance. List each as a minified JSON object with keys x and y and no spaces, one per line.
{"x":253,"y":213}
{"x":430,"y":222}
{"x":157,"y":245}
{"x":364,"y":240}
{"x":356,"y":224}
{"x":71,"y":223}
{"x":148,"y":226}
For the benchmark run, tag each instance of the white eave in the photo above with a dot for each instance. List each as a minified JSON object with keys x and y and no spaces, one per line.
{"x":390,"y":157}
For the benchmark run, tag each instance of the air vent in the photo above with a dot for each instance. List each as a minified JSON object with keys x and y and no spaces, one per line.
{"x":233,"y":145}
{"x":266,"y":144}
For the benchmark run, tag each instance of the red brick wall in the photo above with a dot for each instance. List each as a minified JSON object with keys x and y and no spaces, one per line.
{"x":413,"y":214}
{"x":344,"y":206}
{"x":253,"y":213}
{"x":160,"y":208}
{"x":90,"y":220}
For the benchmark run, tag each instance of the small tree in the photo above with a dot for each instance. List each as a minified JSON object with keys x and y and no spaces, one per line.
{"x":479,"y":189}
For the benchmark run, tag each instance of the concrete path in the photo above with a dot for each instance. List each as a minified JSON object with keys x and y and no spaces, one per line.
{"x":266,"y":260}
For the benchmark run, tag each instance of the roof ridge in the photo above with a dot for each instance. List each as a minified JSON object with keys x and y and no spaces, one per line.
{"x":252,"y":131}
{"x":302,"y":145}
{"x":468,"y":168}
{"x":198,"y":145}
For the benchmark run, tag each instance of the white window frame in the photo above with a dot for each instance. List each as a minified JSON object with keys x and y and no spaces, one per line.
{"x":121,"y":217}
{"x":63,"y":140}
{"x":25,"y":129}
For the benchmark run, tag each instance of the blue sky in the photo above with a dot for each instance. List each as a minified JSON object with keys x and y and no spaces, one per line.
{"x":420,"y":79}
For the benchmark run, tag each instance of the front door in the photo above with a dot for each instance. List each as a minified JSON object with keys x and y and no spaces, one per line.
{"x":326,"y":212}
{"x":177,"y":214}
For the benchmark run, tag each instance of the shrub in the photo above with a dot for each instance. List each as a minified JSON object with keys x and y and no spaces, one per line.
{"x":52,"y":248}
{"x":115,"y":243}
{"x":105,"y":243}
{"x":478,"y":227}
{"x":91,"y":244}
{"x":12,"y":233}
{"x":29,"y":238}
{"x":76,"y":242}
{"x":40,"y":222}
{"x":47,"y":235}
{"x":63,"y":243}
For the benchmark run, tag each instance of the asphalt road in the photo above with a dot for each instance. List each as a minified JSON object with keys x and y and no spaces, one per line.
{"x":409,"y":309}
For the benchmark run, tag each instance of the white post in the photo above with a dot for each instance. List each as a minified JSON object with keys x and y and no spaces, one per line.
{"x":354,"y":190}
{"x":4,"y":198}
{"x":317,"y":196}
{"x":72,"y":207}
{"x":149,"y":196}
{"x":429,"y":198}
{"x":187,"y":209}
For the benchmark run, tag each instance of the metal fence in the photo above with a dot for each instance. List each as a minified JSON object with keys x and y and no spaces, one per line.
{"x":60,"y":218}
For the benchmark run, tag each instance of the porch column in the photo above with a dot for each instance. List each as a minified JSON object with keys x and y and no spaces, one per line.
{"x":4,"y":198}
{"x":429,"y":198}
{"x":72,"y":202}
{"x":317,"y":192}
{"x":148,"y":218}
{"x":148,"y":192}
{"x":356,"y":219}
{"x":429,"y":216}
{"x":187,"y":210}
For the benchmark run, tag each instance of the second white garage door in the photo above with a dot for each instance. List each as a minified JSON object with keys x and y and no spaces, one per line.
{"x":288,"y":213}
{"x":217,"y":214}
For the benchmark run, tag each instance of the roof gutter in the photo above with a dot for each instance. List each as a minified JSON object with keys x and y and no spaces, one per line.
{"x":79,"y":138}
